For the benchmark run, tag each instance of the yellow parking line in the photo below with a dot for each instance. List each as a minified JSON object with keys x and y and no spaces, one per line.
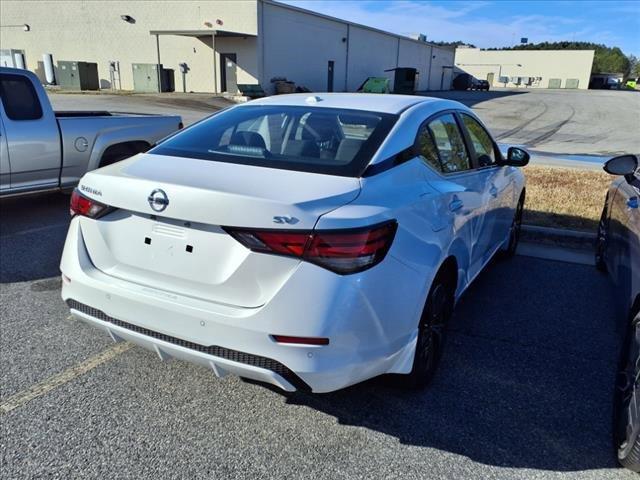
{"x":55,"y":381}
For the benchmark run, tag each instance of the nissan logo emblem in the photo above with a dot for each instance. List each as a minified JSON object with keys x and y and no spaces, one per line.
{"x":158,"y":200}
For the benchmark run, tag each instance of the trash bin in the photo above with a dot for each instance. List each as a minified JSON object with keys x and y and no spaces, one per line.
{"x":404,"y":80}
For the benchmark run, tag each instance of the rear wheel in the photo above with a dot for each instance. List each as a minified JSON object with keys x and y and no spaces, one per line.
{"x":431,"y":333}
{"x":627,"y":395}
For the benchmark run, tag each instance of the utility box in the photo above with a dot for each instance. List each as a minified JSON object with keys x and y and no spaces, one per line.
{"x":145,"y":78}
{"x":77,"y":75}
{"x":404,"y":80}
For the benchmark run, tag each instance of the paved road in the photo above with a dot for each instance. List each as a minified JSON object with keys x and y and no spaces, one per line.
{"x":523,"y":391}
{"x":561,"y":127}
{"x":574,"y":122}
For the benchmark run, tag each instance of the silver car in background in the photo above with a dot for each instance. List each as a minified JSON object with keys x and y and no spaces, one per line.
{"x":618,"y":253}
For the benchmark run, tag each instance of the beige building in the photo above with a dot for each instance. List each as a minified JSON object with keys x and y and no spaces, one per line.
{"x":527,"y":68}
{"x":224,"y":43}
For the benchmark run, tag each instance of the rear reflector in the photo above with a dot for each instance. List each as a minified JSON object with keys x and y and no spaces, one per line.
{"x":301,"y":340}
{"x":85,"y":206}
{"x":341,"y":251}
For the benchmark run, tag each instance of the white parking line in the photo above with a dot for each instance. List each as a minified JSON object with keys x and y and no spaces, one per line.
{"x":55,"y":381}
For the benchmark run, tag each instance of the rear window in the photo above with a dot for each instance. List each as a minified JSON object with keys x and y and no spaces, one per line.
{"x":309,"y":139}
{"x":19,"y":98}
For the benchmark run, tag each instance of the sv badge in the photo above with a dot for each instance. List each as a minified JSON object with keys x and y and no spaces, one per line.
{"x":285,"y":219}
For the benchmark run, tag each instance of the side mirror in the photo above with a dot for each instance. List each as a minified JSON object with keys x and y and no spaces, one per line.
{"x":622,"y":165}
{"x":516,"y":157}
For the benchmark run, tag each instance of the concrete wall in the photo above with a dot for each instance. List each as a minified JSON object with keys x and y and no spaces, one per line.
{"x":280,"y":41}
{"x":93,"y":31}
{"x":298,"y":45}
{"x":542,"y":64}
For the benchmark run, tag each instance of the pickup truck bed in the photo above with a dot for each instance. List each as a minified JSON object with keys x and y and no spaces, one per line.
{"x":45,"y":150}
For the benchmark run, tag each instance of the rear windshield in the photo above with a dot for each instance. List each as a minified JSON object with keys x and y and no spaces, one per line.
{"x":309,"y":139}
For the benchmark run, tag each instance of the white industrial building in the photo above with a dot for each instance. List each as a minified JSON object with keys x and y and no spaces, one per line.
{"x":224,"y":43}
{"x":527,"y":68}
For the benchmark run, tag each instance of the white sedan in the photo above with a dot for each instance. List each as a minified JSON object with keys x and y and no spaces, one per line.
{"x":311,"y":242}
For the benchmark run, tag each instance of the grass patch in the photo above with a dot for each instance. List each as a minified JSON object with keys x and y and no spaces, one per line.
{"x":565,"y":197}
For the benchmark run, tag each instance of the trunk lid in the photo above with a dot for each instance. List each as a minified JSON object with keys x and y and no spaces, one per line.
{"x":182,"y":248}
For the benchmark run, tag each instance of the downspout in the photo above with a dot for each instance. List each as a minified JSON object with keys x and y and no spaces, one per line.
{"x":346,"y":70}
{"x":215,"y":65}
{"x":158,"y":68}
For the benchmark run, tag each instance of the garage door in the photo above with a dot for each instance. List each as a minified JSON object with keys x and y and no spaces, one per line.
{"x":555,"y":83}
{"x":571,"y":83}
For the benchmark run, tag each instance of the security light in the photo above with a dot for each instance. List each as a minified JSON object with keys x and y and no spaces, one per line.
{"x":26,"y":27}
{"x":128,"y":18}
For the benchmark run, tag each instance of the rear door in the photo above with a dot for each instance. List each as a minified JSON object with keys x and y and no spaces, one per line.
{"x":32,"y":134}
{"x":463,"y":191}
{"x":498,"y":183}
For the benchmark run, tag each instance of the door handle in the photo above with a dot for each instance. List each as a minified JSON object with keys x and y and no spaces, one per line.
{"x":493,"y":191}
{"x":456,"y":204}
{"x":632,"y":202}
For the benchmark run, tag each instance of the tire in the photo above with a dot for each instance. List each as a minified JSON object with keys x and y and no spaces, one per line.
{"x":122,"y":151}
{"x":626,"y":424}
{"x":514,"y":230}
{"x":431,"y":333}
{"x":601,"y":242}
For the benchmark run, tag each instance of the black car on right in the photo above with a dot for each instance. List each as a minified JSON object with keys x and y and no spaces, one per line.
{"x":618,"y":253}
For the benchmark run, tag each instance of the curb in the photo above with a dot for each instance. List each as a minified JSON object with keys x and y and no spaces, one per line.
{"x":558,"y":232}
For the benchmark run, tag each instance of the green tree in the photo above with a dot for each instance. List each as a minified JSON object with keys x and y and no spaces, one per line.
{"x":605,"y":60}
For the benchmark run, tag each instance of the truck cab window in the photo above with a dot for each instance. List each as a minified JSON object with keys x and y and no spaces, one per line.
{"x":23,"y":103}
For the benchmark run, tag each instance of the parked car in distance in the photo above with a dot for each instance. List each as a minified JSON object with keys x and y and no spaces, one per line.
{"x":466,"y":81}
{"x":311,"y":242}
{"x":618,"y":253}
{"x":478,"y":84}
{"x":42,"y":150}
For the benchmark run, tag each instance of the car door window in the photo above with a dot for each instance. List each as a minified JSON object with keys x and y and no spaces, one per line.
{"x":481,"y":141}
{"x":22,"y":103}
{"x":427,"y":148}
{"x":450,"y":145}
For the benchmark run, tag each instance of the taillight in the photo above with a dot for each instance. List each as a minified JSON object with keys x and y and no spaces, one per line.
{"x":341,"y":251}
{"x":85,"y":206}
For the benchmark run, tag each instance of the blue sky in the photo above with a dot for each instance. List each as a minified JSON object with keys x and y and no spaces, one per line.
{"x":496,"y":23}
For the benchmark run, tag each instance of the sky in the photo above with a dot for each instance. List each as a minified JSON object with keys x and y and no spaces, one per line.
{"x":496,"y":23}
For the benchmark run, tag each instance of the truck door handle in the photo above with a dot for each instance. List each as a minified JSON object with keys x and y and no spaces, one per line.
{"x":632,"y":202}
{"x":456,"y":204}
{"x":493,"y":191}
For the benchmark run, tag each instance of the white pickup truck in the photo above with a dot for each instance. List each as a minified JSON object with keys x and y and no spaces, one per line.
{"x":43,"y":150}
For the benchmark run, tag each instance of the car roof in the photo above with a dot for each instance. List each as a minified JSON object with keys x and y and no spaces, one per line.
{"x":372,"y":102}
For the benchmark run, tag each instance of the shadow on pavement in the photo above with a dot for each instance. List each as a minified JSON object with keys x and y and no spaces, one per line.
{"x":32,"y":234}
{"x":527,"y":383}
{"x":472,"y":97}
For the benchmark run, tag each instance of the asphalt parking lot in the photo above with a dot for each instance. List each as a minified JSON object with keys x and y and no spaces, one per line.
{"x":580,"y":125}
{"x":524,"y":389}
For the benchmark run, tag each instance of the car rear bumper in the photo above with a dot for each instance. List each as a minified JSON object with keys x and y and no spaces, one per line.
{"x":370,"y":322}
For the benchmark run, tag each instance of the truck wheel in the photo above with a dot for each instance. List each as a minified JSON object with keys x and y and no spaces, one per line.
{"x":431,"y":333}
{"x":626,"y":424}
{"x":121,"y":151}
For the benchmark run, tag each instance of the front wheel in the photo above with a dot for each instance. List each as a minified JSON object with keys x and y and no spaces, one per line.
{"x":514,"y":230}
{"x":431,"y":332}
{"x":601,"y":242}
